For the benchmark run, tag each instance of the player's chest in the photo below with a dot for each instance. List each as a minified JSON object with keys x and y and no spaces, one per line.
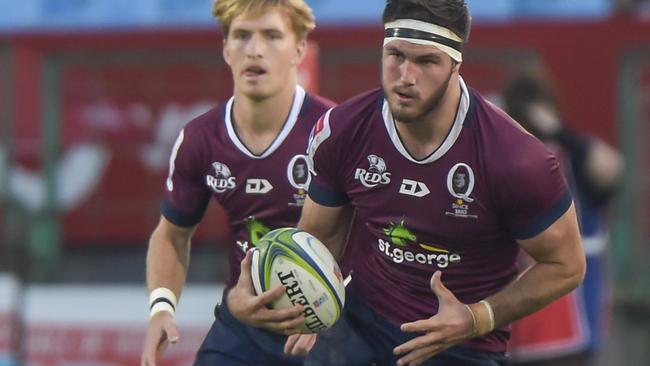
{"x":452,"y":191}
{"x":236,"y":180}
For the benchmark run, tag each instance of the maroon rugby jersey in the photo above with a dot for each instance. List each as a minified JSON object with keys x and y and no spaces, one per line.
{"x":259,"y":192}
{"x":460,"y":210}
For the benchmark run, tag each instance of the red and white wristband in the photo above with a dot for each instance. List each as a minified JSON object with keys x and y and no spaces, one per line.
{"x":162,"y":299}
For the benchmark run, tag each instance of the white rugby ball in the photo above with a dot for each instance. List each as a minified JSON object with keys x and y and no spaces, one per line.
{"x":300,"y":262}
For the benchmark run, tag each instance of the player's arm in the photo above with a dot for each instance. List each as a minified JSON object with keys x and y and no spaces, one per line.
{"x":559,"y":268}
{"x":167,"y":262}
{"x":330,"y":225}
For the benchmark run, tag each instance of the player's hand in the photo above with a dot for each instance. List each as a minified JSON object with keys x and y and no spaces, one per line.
{"x":253,"y":310}
{"x":452,"y":325}
{"x":299,"y":344}
{"x":160,"y":332}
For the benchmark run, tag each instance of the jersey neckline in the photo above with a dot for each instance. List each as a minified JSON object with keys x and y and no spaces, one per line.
{"x":296,"y":106}
{"x":449,"y":140}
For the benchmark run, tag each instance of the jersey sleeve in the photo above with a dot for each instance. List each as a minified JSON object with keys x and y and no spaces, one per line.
{"x":186,"y":196}
{"x":324,"y":153}
{"x":533,"y":190}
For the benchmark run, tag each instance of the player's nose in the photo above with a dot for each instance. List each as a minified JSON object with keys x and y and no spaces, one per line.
{"x":407,"y":72}
{"x":255,"y":47}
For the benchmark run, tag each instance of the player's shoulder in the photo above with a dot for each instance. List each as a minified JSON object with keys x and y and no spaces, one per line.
{"x":361,"y":105}
{"x":206,"y":123}
{"x":339,"y":124}
{"x":355,"y":113}
{"x":497,"y":127}
{"x":503,"y":138}
{"x":317,"y":103}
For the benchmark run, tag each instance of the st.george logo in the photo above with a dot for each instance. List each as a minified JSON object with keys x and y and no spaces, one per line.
{"x":222,"y":178}
{"x":375,"y":174}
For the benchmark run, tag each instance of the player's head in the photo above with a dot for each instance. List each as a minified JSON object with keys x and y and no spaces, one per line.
{"x":264,"y":42}
{"x":422,"y":50}
{"x":529,"y":99}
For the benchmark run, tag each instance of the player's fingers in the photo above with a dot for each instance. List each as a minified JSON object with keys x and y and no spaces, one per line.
{"x":420,"y":355}
{"x":418,"y":342}
{"x":291,"y":341}
{"x":278,"y":315}
{"x":172,"y":333}
{"x":160,"y":350}
{"x":443,"y":294}
{"x":245,"y":273}
{"x":286,"y":327}
{"x":150,"y":347}
{"x":304,"y":344}
{"x":424,"y":325}
{"x":269,"y":296}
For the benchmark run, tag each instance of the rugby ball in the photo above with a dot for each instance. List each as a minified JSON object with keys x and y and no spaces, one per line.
{"x":307,"y":269}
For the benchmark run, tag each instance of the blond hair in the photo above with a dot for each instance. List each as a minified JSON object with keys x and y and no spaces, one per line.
{"x":300,"y":14}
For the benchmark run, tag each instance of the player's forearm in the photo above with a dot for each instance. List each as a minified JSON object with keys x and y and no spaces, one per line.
{"x":167,"y":262}
{"x":329,"y":224}
{"x":537,"y":287}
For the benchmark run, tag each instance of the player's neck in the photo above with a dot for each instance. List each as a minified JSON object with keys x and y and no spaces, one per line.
{"x":421,"y":138}
{"x":258,"y":122}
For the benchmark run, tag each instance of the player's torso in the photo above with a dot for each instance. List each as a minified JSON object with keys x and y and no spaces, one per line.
{"x":260,"y":192}
{"x":421,"y":216}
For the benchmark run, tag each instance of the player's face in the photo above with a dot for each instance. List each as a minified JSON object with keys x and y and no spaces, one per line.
{"x":263,"y":53}
{"x":415,"y":79}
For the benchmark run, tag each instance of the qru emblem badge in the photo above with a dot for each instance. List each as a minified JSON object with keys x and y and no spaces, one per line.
{"x":299,"y":178}
{"x":460,"y":184}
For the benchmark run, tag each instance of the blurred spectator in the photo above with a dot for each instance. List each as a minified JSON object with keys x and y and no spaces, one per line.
{"x":637,"y":8}
{"x":568,"y":331}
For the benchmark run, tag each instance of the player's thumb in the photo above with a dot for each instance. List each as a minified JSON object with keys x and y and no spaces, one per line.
{"x":172,"y":333}
{"x":442,"y":293}
{"x":246,"y":265}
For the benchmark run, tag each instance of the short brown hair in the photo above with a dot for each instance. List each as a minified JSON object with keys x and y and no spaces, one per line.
{"x":300,"y":14}
{"x":451,"y":14}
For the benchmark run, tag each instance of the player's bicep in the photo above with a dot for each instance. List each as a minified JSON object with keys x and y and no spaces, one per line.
{"x":186,"y":196}
{"x":559,"y":244}
{"x":327,"y":223}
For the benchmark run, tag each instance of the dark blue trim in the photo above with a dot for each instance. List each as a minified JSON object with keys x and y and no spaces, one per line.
{"x":305,"y":105}
{"x":325,"y":197}
{"x":545,"y":221}
{"x":470,"y":117}
{"x":180,"y":218}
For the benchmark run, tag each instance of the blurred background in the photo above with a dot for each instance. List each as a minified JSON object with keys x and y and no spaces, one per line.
{"x":94,"y":92}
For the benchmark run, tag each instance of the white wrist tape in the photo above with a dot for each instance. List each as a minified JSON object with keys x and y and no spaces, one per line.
{"x":490,"y":311}
{"x":162,"y":299}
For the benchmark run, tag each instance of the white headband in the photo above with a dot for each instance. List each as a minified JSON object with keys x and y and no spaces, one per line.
{"x":419,"y":32}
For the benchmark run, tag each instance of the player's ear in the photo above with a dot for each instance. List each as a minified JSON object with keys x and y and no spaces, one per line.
{"x":301,"y":50}
{"x":456,"y":66}
{"x":225,"y":53}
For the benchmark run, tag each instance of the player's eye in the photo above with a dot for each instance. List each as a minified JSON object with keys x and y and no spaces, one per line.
{"x":274,"y":35}
{"x":429,"y":61}
{"x":241,"y":35}
{"x":397,"y":55}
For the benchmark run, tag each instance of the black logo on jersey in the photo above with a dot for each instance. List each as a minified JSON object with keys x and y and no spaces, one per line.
{"x":375,"y":174}
{"x":222,"y":178}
